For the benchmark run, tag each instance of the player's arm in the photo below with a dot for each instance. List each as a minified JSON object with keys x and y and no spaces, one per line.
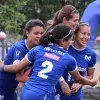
{"x":64,"y":86}
{"x":76,"y":86}
{"x":1,"y":62}
{"x":76,"y":75}
{"x":23,"y":77}
{"x":29,"y":58}
{"x":82,"y":80}
{"x":90,"y":73}
{"x":15,"y":67}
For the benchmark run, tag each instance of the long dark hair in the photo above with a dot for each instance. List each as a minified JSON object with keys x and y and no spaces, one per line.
{"x":59,"y":32}
{"x":30,"y":24}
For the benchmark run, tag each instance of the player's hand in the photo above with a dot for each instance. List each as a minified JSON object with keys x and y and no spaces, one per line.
{"x":19,"y":88}
{"x":1,"y":62}
{"x":21,"y":77}
{"x":65,"y":88}
{"x":98,"y":77}
{"x":75,"y":87}
{"x":98,"y":39}
{"x":95,"y":81}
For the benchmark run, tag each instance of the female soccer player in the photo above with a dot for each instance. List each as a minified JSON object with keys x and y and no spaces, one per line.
{"x":50,"y":60}
{"x":67,"y":15}
{"x":86,"y":60}
{"x":32,"y":33}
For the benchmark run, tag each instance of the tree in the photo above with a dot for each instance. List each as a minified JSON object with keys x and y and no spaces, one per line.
{"x":14,"y":13}
{"x":10,"y":16}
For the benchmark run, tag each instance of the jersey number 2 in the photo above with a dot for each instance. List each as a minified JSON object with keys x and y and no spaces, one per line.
{"x":49,"y":67}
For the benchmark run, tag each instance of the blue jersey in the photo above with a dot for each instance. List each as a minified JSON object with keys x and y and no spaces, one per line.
{"x":8,"y":83}
{"x":86,"y":59}
{"x":49,"y":64}
{"x":91,"y":16}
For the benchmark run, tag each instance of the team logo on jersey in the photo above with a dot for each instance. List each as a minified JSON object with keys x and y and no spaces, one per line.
{"x":17,"y":53}
{"x":88,"y":58}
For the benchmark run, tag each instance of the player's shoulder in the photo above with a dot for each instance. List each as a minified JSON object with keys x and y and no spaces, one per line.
{"x":37,"y":48}
{"x":94,"y":4}
{"x":19,"y":44}
{"x":90,"y":50}
{"x":70,"y":48}
{"x":68,"y":57}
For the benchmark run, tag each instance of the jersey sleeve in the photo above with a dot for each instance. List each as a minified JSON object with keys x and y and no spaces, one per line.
{"x":18,"y":54}
{"x":30,"y":56}
{"x":92,"y":62}
{"x":72,"y":66}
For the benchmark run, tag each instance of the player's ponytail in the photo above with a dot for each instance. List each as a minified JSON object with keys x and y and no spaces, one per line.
{"x":47,"y":38}
{"x":54,"y":36}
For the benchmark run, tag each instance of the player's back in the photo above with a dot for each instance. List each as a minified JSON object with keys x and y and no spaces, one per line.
{"x":50,"y":63}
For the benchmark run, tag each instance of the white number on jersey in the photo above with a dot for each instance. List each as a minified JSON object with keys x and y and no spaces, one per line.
{"x":49,"y":67}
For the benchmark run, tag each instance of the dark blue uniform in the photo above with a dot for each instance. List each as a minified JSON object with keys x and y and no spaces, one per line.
{"x":86,"y":58}
{"x":49,"y":64}
{"x":8,"y":83}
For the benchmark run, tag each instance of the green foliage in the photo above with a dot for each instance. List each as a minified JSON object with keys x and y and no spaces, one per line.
{"x":10,"y":17}
{"x":42,"y":9}
{"x":14,"y":13}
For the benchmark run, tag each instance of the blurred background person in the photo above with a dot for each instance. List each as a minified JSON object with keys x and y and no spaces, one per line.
{"x":49,"y":23}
